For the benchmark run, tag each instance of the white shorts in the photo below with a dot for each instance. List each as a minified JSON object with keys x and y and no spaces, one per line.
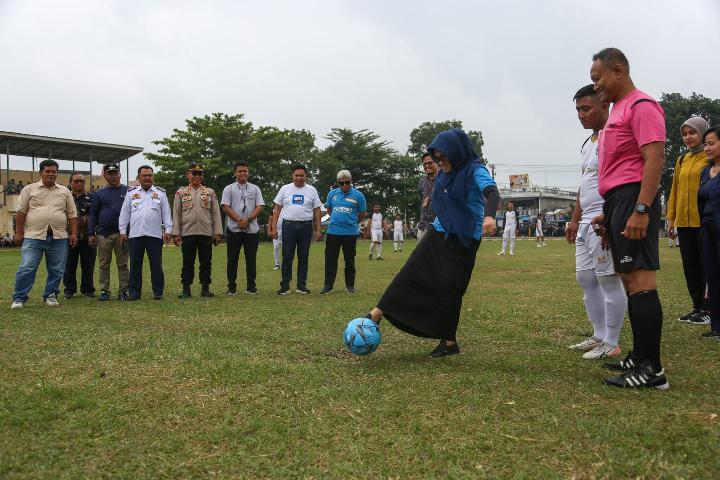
{"x":539,"y":233}
{"x":398,"y":237}
{"x":509,"y":233}
{"x":589,"y":254}
{"x":377,"y":235}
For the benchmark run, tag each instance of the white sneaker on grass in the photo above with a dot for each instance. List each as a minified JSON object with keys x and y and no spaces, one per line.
{"x":17,"y":304}
{"x":586,"y":345}
{"x":603,"y":350}
{"x":51,"y":301}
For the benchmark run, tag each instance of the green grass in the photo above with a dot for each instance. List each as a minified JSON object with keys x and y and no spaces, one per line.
{"x":260,"y":386}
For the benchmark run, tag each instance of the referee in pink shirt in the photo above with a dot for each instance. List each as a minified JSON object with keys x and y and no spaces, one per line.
{"x":631,"y":159}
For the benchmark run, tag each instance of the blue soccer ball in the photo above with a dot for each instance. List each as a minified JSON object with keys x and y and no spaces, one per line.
{"x":362,"y":336}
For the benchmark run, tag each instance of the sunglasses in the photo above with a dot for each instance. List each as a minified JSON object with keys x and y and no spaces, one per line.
{"x":344,"y":183}
{"x":197,"y":174}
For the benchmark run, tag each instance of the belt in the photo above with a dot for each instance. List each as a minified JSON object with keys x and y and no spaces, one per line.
{"x":297,"y":221}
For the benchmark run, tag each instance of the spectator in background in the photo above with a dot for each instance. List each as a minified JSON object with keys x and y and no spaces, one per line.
{"x":683,"y":216}
{"x":425,"y":189}
{"x":83,"y":251}
{"x":19,"y":186}
{"x":44,"y":211}
{"x":11,"y":187}
{"x":709,"y":206}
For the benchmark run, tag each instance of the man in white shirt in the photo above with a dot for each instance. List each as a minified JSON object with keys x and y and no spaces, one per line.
{"x":377,"y":226}
{"x":510,"y":228}
{"x":299,"y":204}
{"x":398,"y":231}
{"x":146,"y":212}
{"x":539,"y":227}
{"x":603,"y":292}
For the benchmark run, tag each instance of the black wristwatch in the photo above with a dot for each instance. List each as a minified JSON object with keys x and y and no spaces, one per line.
{"x":641,"y":208}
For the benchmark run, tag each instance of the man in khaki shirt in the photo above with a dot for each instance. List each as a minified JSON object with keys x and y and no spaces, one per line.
{"x":196,"y":226}
{"x":44,"y":211}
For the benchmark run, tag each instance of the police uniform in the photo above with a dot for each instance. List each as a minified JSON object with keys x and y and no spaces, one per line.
{"x":147,"y":214}
{"x":83,"y":252}
{"x":196,"y":219}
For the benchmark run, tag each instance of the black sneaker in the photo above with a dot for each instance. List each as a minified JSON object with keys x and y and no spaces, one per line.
{"x":104,"y":296}
{"x":711,"y":334}
{"x":205,"y":292}
{"x":443,"y":350}
{"x":370,"y":257}
{"x":326,"y":290}
{"x":630,"y":362}
{"x":643,"y":376}
{"x":283,"y":291}
{"x":122,"y":296}
{"x":350,"y":289}
{"x":302,"y":290}
{"x":688,"y":316}
{"x":68,"y":295}
{"x":186,"y":293}
{"x":231,"y":291}
{"x":89,"y":295}
{"x":702,"y":317}
{"x":379,"y":258}
{"x":132,"y":298}
{"x":251,"y":291}
{"x":157,"y":297}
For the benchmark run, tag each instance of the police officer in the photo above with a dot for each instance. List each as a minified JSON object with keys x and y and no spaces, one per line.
{"x":147,"y":212}
{"x":196,"y":226}
{"x":82,"y":251}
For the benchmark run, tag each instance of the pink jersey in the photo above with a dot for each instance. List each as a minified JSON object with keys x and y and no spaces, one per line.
{"x":630,"y":126}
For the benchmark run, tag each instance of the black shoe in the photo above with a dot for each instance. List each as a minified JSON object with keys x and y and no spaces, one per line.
{"x":68,"y":295}
{"x":283,"y":291}
{"x":350,"y":289}
{"x":205,"y":292}
{"x":186,"y":293}
{"x":251,"y":291}
{"x":231,"y":291}
{"x":711,"y":334}
{"x":104,"y":296}
{"x":122,"y":296}
{"x":643,"y":376}
{"x":379,"y":258}
{"x":89,"y":295}
{"x":370,"y":257}
{"x":132,"y":298}
{"x":326,"y":290}
{"x":687,"y":316}
{"x":443,"y":350}
{"x":702,"y":317}
{"x":630,"y":362}
{"x":157,"y":297}
{"x":302,"y":290}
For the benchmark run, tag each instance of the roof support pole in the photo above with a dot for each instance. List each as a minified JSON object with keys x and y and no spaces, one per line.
{"x":127,"y":170}
{"x":32,"y":173}
{"x":91,"y":186}
{"x":7,"y":172}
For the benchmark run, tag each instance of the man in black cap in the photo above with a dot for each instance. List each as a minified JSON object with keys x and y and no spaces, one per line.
{"x":103,"y":231}
{"x":196,"y":226}
{"x":82,"y":251}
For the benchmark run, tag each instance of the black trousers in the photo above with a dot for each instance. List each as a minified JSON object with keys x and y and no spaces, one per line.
{"x":137,"y":248}
{"x":235,"y":242}
{"x":691,"y":251}
{"x":83,"y":253}
{"x":296,"y":236}
{"x":200,"y":246}
{"x":711,"y":244}
{"x":333,"y":244}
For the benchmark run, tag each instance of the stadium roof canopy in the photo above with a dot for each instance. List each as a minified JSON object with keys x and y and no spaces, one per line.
{"x":25,"y":145}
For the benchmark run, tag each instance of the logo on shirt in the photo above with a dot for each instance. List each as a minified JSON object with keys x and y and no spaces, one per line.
{"x":351,"y":200}
{"x":298,"y":199}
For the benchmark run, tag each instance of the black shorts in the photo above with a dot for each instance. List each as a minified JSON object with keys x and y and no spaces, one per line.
{"x":629,"y":255}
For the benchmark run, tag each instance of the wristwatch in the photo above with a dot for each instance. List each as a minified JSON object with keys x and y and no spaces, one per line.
{"x":641,"y":208}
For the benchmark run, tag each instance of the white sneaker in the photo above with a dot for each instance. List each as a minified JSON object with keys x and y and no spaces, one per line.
{"x":501,"y":252}
{"x":51,"y":301}
{"x":512,"y":253}
{"x":586,"y":345}
{"x":544,"y":244}
{"x":17,"y":304}
{"x":539,"y":246}
{"x":603,"y":350}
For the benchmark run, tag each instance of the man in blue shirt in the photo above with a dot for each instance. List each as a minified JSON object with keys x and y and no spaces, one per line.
{"x":103,"y":231}
{"x":346,"y":207}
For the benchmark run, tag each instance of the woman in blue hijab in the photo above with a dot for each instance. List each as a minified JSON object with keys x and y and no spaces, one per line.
{"x":425,"y":297}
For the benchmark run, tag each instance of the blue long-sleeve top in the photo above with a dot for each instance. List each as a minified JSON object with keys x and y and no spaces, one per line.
{"x":105,"y":205}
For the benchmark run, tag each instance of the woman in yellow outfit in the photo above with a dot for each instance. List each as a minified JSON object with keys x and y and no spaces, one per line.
{"x":682,"y":213}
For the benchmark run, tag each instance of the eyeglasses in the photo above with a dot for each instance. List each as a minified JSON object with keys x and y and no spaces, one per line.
{"x":344,"y":183}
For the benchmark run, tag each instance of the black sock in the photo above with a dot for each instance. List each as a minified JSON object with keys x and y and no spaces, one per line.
{"x":636,"y":348}
{"x":646,"y":316}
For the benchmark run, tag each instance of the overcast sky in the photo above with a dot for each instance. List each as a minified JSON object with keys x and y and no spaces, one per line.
{"x":130,"y":71}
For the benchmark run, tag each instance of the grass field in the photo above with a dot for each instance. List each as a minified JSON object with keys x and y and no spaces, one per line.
{"x":260,"y":386}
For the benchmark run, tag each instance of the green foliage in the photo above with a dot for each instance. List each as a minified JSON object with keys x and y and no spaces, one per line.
{"x":677,"y":110}
{"x":424,"y":134}
{"x":219,"y":140}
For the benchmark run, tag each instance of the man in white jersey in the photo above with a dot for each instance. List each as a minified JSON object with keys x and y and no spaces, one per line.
{"x":377,"y":226}
{"x":603,"y":292}
{"x":539,"y":226}
{"x":510,"y":228}
{"x":398,"y":231}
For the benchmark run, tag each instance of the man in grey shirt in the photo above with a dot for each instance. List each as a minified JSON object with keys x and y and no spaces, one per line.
{"x":425,"y":188}
{"x":242,"y":202}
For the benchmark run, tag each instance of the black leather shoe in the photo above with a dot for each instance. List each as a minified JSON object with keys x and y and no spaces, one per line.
{"x":157,"y":297}
{"x":205,"y":292}
{"x":185,"y":293}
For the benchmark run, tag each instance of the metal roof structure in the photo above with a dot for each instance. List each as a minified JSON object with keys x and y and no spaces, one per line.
{"x":25,"y":145}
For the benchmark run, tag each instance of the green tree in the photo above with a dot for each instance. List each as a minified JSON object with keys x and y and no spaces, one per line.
{"x":424,"y":134}
{"x":677,"y":110}
{"x":219,"y":140}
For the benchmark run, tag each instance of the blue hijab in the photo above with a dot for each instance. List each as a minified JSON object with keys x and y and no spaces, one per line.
{"x":451,"y":190}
